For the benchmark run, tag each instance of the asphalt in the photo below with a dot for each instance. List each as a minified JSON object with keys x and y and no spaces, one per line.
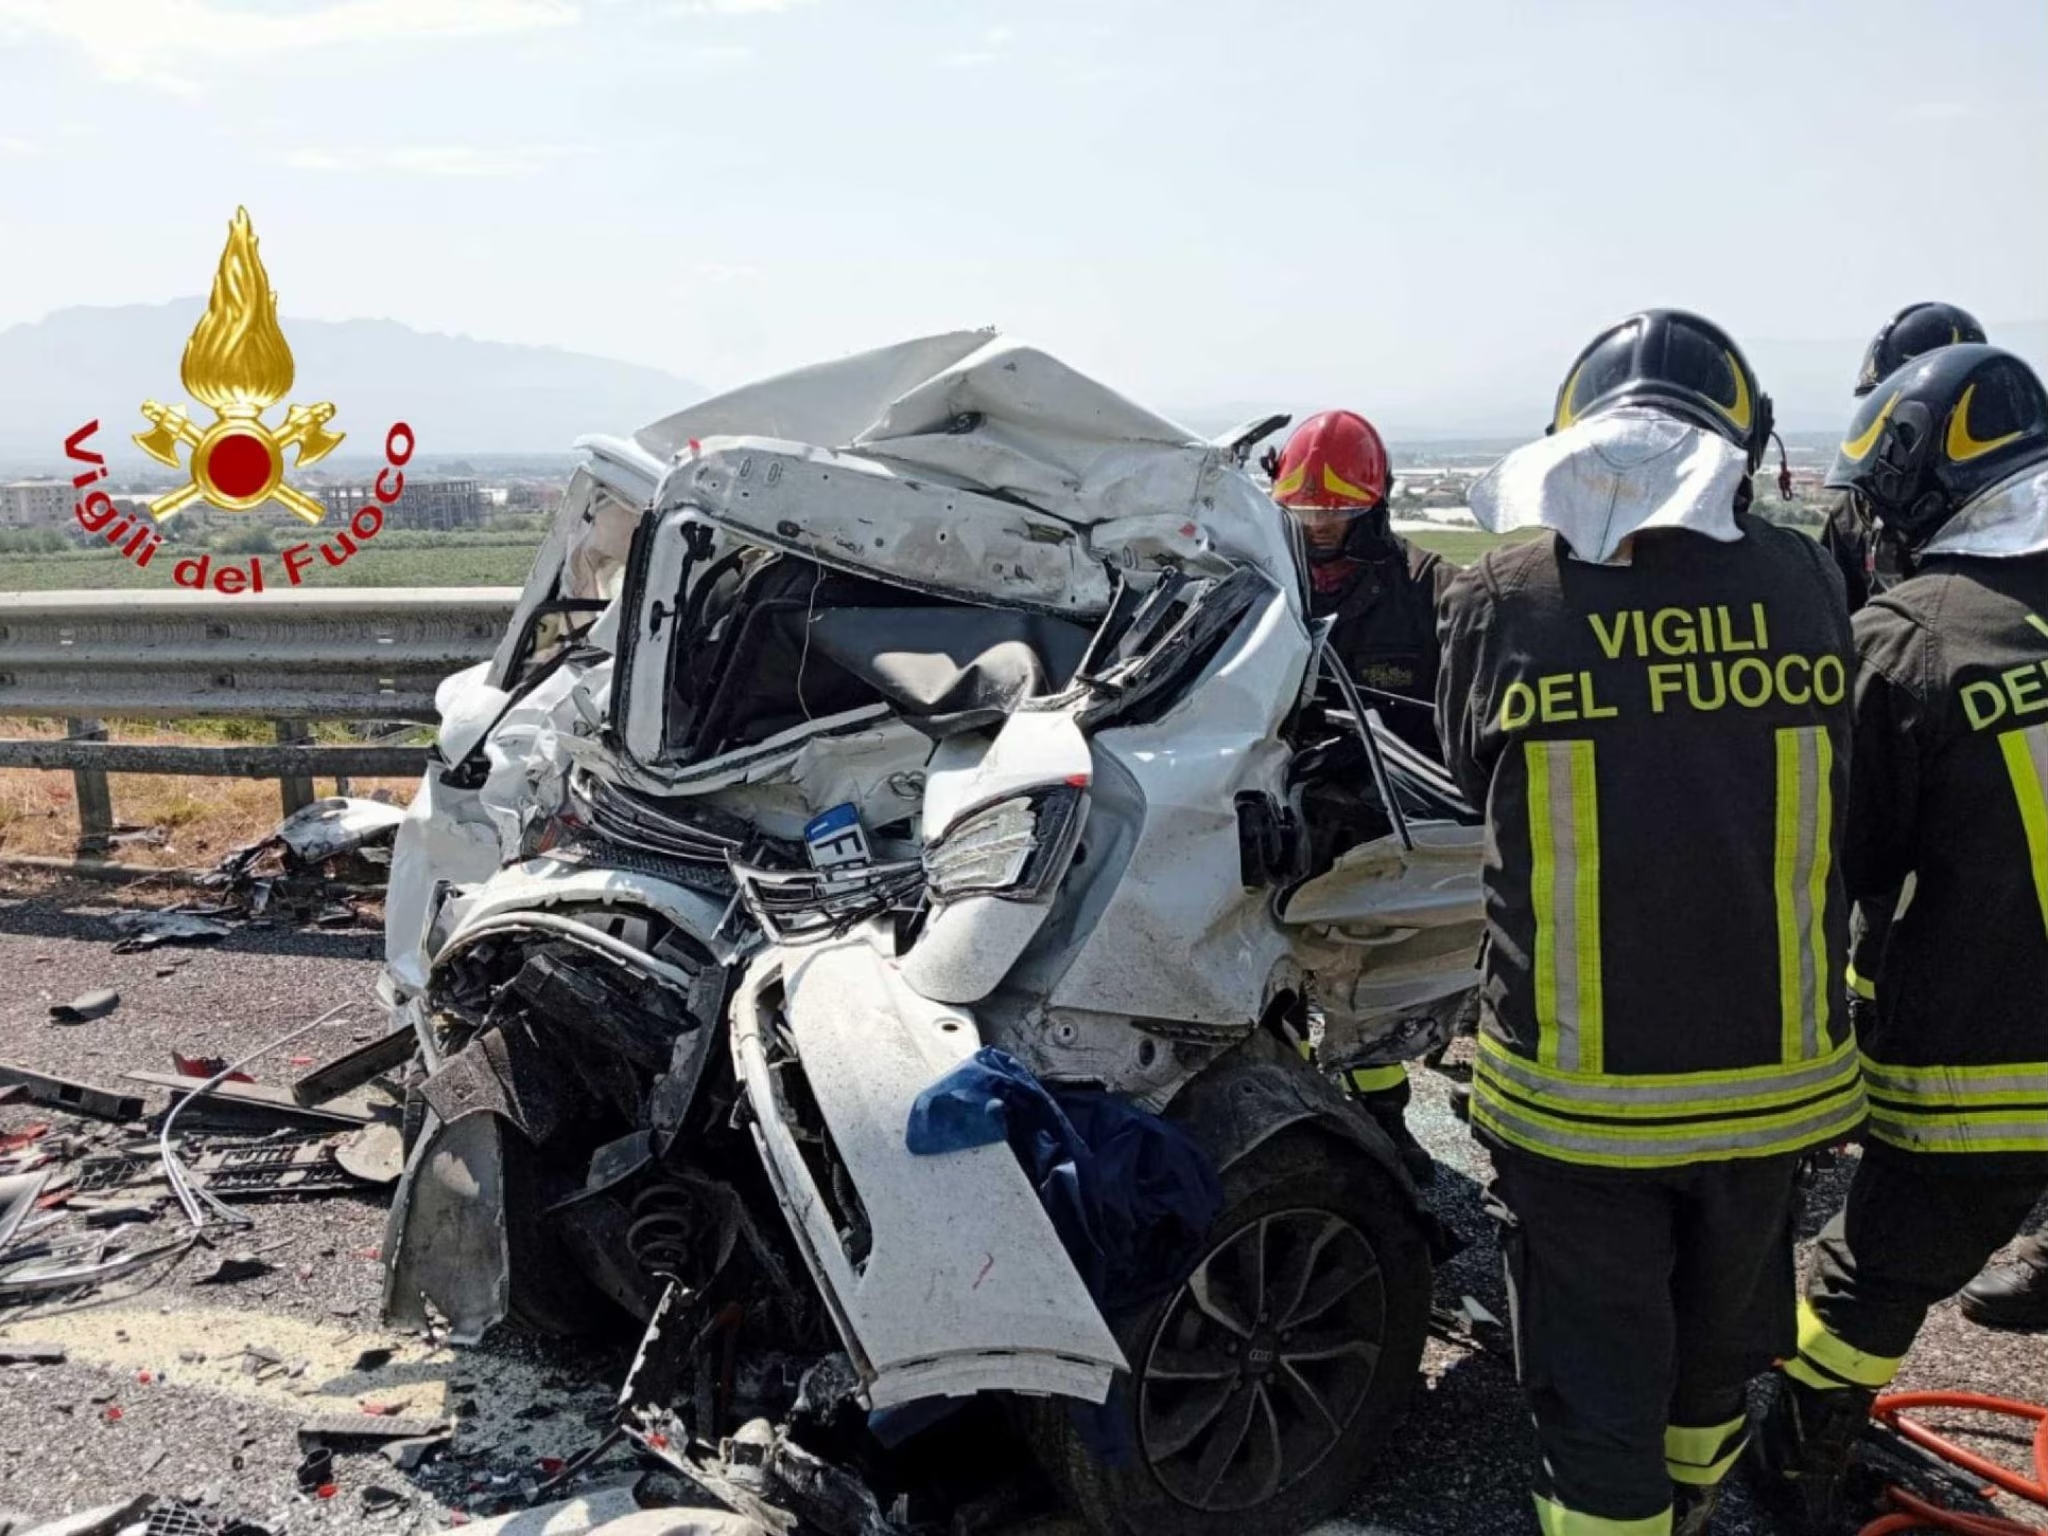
{"x":193,"y":1421}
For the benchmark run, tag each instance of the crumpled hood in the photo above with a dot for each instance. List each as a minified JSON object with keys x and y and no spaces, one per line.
{"x":2008,"y":520}
{"x":1604,"y":479}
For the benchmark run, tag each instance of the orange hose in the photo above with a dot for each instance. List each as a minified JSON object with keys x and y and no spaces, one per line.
{"x":1915,"y":1514}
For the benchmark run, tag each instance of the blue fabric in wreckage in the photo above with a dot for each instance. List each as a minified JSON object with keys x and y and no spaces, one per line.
{"x":1130,"y":1194}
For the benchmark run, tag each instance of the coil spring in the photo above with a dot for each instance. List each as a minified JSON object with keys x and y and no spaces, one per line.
{"x":664,"y":1220}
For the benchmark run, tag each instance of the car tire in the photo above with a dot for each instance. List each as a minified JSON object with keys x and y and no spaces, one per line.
{"x":1233,"y":1422}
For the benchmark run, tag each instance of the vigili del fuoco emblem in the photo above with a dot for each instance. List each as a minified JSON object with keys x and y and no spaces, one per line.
{"x":238,"y":363}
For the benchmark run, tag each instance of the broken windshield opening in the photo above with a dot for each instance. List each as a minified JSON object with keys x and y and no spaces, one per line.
{"x":769,"y":642}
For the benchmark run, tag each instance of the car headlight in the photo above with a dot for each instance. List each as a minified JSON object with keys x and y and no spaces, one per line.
{"x":1014,"y":848}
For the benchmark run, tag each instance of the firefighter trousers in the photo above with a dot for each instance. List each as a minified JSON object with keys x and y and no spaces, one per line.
{"x":1642,"y":1304}
{"x":1916,"y":1228}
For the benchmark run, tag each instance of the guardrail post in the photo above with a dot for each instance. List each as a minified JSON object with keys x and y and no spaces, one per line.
{"x":95,"y":800}
{"x":296,"y":794}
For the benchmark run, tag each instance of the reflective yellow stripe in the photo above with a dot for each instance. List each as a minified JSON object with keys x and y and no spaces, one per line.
{"x":1984,"y":1085}
{"x":1564,"y":888}
{"x":1665,"y":1095}
{"x":1828,"y":1363}
{"x":1702,"y":1456}
{"x":1805,"y":818}
{"x":1556,"y":1520}
{"x":1378,"y":1079}
{"x":2026,"y":760}
{"x":1862,"y":985}
{"x":1612,"y":1145}
{"x":1994,"y":1107}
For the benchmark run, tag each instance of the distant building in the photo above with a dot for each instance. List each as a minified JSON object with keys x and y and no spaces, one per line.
{"x":36,"y":503}
{"x":441,"y":505}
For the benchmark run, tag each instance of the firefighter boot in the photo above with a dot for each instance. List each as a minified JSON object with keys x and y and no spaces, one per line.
{"x":1393,"y":1120}
{"x":1801,"y":1452}
{"x":2013,"y":1294}
{"x":1692,"y":1509}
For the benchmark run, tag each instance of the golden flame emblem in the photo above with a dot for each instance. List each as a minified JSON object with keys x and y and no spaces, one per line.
{"x":238,"y":363}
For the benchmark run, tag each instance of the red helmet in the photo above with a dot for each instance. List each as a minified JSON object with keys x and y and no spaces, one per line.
{"x":1334,"y":460}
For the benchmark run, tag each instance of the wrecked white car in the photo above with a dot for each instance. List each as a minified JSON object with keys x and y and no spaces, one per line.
{"x":906,"y":737}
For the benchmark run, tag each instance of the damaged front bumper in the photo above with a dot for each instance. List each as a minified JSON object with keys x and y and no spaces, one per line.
{"x":943,"y":1274}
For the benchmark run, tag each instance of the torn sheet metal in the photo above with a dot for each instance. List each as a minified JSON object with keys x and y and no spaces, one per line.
{"x":318,"y":832}
{"x":964,"y":1287}
{"x":851,"y":514}
{"x":147,"y":930}
{"x":445,"y":1241}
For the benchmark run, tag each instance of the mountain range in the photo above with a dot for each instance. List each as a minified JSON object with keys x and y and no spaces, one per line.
{"x":461,"y":396}
{"x":468,"y":397}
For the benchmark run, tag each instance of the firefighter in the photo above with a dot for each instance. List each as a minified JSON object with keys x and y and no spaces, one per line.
{"x":1870,"y":563}
{"x":1950,"y":787}
{"x":1651,"y":700}
{"x":1382,"y":592}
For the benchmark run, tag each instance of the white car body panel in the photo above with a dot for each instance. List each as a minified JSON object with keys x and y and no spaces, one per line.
{"x":966,"y":1287}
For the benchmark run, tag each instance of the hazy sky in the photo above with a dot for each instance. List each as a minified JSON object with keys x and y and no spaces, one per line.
{"x":1200,"y":201}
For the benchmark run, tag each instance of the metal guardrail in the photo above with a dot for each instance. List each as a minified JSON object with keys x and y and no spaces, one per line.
{"x":365,"y":654}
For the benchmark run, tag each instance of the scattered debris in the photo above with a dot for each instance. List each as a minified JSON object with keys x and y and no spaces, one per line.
{"x":317,"y":1468}
{"x":250,"y":1102}
{"x":373,"y":1360}
{"x":368,"y":1428}
{"x":80,"y":1098}
{"x":85,"y":1007}
{"x":233,"y":1269}
{"x":326,"y":850}
{"x":375,"y":1154}
{"x":172,"y":925}
{"x":206,"y":1066}
{"x":377,"y":1499}
{"x":385,"y":1054}
{"x":408,"y":1455}
{"x":25,"y":1352}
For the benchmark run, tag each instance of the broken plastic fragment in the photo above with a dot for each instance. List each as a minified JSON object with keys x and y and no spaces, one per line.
{"x":86,"y":1006}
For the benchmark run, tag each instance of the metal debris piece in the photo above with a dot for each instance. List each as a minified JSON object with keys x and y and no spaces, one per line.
{"x":372,"y":1360}
{"x":255,"y":1102}
{"x":234,"y":1268}
{"x":317,"y":1469}
{"x":169,"y":1518}
{"x":80,"y":1098}
{"x":272,"y":1172}
{"x":63,"y":1272}
{"x":592,"y":1510}
{"x":104,"y":1521}
{"x":375,"y":1154}
{"x":315,"y":833}
{"x":25,"y":1352}
{"x":95,"y":1004}
{"x":377,"y":1499}
{"x":196,"y":1203}
{"x":147,"y":930}
{"x":385,"y":1054}
{"x":18,"y":1195}
{"x":369,"y":1427}
{"x":407,"y":1455}
{"x":446,"y":1240}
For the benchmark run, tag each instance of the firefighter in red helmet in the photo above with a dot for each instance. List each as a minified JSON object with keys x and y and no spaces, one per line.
{"x":1382,"y":592}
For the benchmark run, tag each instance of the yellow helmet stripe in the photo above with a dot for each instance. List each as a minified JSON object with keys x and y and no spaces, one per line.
{"x":1337,"y":485}
{"x":1961,"y":446}
{"x":1859,"y":449}
{"x":1565,"y":414}
{"x":1741,"y":413}
{"x":1290,"y":482}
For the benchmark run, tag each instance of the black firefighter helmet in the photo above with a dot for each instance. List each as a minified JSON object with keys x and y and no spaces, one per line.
{"x":1939,"y":432}
{"x":1916,"y":329}
{"x":1674,"y":362}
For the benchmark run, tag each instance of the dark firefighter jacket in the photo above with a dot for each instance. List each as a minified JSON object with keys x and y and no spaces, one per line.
{"x":1951,"y":787}
{"x":1662,"y":751}
{"x":1385,"y":633}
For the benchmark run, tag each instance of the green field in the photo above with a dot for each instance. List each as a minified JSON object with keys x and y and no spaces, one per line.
{"x":1461,"y":546}
{"x":460,"y":560}
{"x":476,"y":561}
